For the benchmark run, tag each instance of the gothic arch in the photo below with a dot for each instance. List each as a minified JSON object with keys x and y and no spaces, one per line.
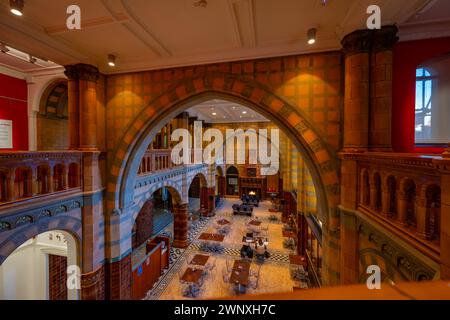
{"x":321,"y":161}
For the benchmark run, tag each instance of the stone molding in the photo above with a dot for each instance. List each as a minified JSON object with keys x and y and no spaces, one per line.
{"x":82,"y":71}
{"x":366,"y":41}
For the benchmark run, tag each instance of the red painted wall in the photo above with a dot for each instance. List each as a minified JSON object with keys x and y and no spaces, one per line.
{"x":13,"y":106}
{"x":407,"y":56}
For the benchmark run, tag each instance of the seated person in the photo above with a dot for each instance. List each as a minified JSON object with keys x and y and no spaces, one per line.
{"x":260,"y":249}
{"x":246,"y":251}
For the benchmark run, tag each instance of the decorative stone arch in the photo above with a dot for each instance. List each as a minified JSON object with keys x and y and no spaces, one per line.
{"x":321,"y":161}
{"x":18,"y":237}
{"x":174,"y":188}
{"x":203,"y":180}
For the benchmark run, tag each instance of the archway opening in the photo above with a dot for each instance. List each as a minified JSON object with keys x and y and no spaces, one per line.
{"x":40,"y":267}
{"x":292,"y":180}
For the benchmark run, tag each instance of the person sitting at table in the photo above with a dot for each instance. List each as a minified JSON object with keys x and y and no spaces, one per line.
{"x":260,"y":250}
{"x":246,"y":251}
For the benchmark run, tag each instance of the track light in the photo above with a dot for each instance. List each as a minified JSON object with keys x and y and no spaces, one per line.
{"x":312,"y":35}
{"x":16,"y":7}
{"x":111,"y":60}
{"x":3,"y":48}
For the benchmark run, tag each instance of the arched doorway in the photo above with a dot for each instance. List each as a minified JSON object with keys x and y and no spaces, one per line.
{"x":39,"y":268}
{"x":232,"y":181}
{"x":198,"y":195}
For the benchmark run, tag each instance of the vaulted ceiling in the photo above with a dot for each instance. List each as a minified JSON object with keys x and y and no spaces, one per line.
{"x":150,"y":34}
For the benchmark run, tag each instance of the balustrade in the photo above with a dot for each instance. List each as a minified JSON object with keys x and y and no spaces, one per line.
{"x":403,"y":190}
{"x":25,"y":175}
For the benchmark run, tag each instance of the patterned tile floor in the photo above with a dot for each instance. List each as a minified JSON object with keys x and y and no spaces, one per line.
{"x":275,"y":273}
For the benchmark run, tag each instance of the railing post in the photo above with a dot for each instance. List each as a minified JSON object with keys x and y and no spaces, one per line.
{"x":385,"y":202}
{"x":51,"y":181}
{"x":34,"y":182}
{"x":421,"y":214}
{"x":65,"y":177}
{"x":11,"y":179}
{"x":402,"y":208}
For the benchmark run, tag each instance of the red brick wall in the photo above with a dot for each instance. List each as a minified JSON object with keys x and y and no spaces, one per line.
{"x":118,"y":279}
{"x":57,"y":271}
{"x":144,"y":223}
{"x":311,"y":83}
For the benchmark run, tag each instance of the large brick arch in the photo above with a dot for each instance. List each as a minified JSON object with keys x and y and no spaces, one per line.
{"x":321,"y":161}
{"x":19,"y":236}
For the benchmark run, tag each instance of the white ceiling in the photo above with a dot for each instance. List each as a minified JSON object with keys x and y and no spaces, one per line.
{"x":151,"y":34}
{"x":222,"y":111}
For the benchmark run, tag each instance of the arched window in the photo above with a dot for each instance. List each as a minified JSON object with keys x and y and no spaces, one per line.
{"x":432,"y":110}
{"x":424,"y":88}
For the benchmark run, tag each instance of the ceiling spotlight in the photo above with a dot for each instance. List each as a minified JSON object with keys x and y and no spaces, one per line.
{"x":32,"y":59}
{"x":312,"y":35}
{"x":111,"y":60}
{"x":244,"y":112}
{"x":3,"y":48}
{"x":16,"y":7}
{"x":214,"y":114}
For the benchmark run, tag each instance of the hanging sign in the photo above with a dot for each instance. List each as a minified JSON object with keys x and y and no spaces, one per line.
{"x":6,"y":141}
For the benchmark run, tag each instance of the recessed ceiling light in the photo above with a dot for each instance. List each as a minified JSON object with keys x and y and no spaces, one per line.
{"x":312,"y":35}
{"x":32,"y":59}
{"x":244,"y":112}
{"x":16,"y":7}
{"x":214,"y":114}
{"x":234,"y":108}
{"x":111,"y":60}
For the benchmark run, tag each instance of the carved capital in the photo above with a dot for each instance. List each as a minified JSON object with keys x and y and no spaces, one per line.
{"x":82,"y":71}
{"x":359,"y":41}
{"x":365,"y":40}
{"x":385,"y":38}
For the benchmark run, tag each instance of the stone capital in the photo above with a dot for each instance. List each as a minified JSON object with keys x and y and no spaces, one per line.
{"x":359,"y":41}
{"x":385,"y":38}
{"x":82,"y":71}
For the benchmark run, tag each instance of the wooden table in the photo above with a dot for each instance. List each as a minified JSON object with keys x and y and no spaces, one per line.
{"x":223,"y":222}
{"x":199,"y":260}
{"x":255,"y":223}
{"x":240,"y":273}
{"x":212,"y":237}
{"x":192,"y":275}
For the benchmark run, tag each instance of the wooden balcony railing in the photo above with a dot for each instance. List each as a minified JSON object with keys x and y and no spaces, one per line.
{"x":403,"y":192}
{"x":155,"y":160}
{"x":25,"y":175}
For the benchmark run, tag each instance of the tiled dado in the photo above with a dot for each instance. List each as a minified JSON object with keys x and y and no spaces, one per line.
{"x":118,"y":279}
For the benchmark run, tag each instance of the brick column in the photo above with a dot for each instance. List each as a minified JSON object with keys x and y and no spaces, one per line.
{"x":118,"y":277}
{"x":93,"y":285}
{"x":356,"y":48}
{"x":349,"y":268}
{"x":180,"y":225}
{"x":381,"y":88}
{"x":82,"y":106}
